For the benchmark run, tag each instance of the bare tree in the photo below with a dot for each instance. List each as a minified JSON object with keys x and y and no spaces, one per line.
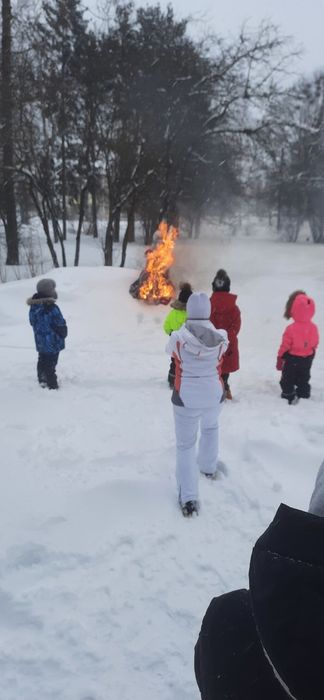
{"x":7,"y":195}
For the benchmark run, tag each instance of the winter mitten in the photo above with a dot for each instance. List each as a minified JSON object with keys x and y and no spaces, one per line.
{"x":280,"y":363}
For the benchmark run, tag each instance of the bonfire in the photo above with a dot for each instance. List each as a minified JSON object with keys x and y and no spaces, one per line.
{"x":153,"y":284}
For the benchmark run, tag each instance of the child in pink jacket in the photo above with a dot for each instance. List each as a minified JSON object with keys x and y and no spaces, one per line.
{"x":297,"y":349}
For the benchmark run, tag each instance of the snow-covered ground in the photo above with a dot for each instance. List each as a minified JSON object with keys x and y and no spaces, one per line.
{"x":103,"y":584}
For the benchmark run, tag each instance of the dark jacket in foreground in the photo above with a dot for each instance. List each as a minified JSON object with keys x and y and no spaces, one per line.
{"x":229,"y":660}
{"x":48,"y":324}
{"x":268,"y":644}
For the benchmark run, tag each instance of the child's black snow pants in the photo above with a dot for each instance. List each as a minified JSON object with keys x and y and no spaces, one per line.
{"x":171,"y":375}
{"x":295,"y":377}
{"x":225,"y":378}
{"x":46,"y":365}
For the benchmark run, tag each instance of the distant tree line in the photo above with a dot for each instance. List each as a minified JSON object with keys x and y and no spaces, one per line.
{"x":137,"y":119}
{"x":292,"y":181}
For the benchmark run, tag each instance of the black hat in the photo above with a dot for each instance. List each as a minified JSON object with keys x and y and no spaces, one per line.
{"x":221,"y":282}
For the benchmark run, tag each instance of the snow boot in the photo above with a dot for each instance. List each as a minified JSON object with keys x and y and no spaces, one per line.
{"x":189,"y":508}
{"x":211,"y":477}
{"x":218,"y":473}
{"x":293,"y":401}
{"x":228,"y":394}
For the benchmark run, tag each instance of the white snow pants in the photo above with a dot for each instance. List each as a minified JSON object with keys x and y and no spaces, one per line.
{"x":186,"y":428}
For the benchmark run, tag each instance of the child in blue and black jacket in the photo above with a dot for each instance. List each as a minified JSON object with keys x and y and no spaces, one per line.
{"x":50,"y":331}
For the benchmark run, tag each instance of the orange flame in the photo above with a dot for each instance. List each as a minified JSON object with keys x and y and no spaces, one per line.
{"x":157,"y":288}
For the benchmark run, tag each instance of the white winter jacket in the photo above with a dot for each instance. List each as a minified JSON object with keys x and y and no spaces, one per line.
{"x":197,"y":348}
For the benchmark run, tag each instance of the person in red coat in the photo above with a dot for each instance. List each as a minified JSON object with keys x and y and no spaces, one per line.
{"x":226,"y":314}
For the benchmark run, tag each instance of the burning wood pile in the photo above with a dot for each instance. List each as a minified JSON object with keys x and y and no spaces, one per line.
{"x":153,"y":284}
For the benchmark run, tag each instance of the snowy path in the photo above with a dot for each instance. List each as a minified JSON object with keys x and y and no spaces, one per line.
{"x":102,"y":583}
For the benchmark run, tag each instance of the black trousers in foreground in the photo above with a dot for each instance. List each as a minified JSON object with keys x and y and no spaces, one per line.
{"x":46,"y":365}
{"x":295,"y":377}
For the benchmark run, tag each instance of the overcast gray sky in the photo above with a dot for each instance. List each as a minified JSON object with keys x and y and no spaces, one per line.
{"x":304,"y":19}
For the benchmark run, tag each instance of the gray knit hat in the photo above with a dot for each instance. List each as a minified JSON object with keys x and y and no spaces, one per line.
{"x":198,"y":306}
{"x":46,"y":288}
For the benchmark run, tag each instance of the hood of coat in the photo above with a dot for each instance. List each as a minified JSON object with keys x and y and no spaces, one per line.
{"x":178,"y":305}
{"x":224,"y":300}
{"x":202,"y":336}
{"x":229,"y":659}
{"x":303,"y":308}
{"x":37,"y":299}
{"x":287,"y":595}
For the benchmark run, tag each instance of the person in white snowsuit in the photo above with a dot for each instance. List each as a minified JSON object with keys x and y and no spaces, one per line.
{"x":197,"y":348}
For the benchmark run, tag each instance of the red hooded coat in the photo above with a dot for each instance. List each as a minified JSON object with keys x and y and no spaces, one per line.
{"x":226,"y":314}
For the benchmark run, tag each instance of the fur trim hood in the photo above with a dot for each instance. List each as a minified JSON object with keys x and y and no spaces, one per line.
{"x":40,"y":300}
{"x":178,"y":305}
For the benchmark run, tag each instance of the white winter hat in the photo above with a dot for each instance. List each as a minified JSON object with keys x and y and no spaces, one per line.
{"x":198,"y":306}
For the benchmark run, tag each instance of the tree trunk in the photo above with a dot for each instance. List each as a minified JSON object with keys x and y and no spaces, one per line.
{"x":43,"y":217}
{"x":81,"y":217}
{"x":279,"y":192}
{"x":129,"y":233}
{"x":61,"y":242}
{"x":316,"y":224}
{"x":117,"y":226}
{"x":131,"y":224}
{"x":94,"y":213}
{"x":109,"y":240}
{"x":63,"y":155}
{"x":8,"y":189}
{"x":150,"y":229}
{"x":55,"y":227}
{"x":24,"y":202}
{"x":51,"y":214}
